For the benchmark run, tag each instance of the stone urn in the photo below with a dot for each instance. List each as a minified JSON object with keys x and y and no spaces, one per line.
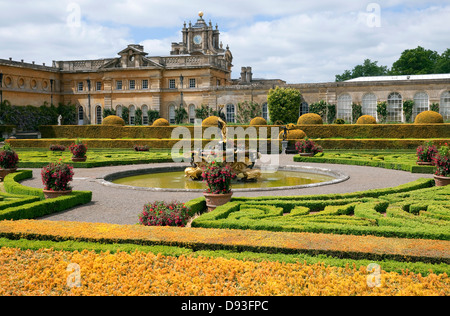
{"x":215,"y":200}
{"x":5,"y":172}
{"x":55,"y":194}
{"x":441,"y":181}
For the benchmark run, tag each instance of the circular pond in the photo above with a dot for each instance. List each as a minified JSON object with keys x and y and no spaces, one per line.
{"x":173,"y":179}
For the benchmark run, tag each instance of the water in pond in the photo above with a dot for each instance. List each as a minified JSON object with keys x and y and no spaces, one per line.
{"x":177,"y":180}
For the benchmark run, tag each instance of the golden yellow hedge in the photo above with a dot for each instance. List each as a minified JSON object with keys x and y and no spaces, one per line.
{"x":161,"y":122}
{"x":211,"y":121}
{"x":429,"y":117}
{"x":366,"y":119}
{"x":113,"y":120}
{"x":310,"y":119}
{"x":258,"y":121}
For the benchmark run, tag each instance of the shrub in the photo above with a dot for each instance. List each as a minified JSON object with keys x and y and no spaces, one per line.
{"x":429,"y":117}
{"x":114,"y":120}
{"x":161,"y":122}
{"x":310,"y":119}
{"x":442,"y":161}
{"x":382,"y":111}
{"x":8,"y":158}
{"x":319,"y":108}
{"x":307,"y":146}
{"x":258,"y":121}
{"x":339,"y":122}
{"x":57,"y":148}
{"x":211,"y":121}
{"x":284,"y":104}
{"x":56,"y":177}
{"x":164,"y":214}
{"x":78,"y":149}
{"x":426,"y":152}
{"x":218,"y":176}
{"x":366,"y":119}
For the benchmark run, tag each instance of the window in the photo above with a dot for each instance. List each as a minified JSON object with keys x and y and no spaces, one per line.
{"x":344,"y":107}
{"x":395,"y":107}
{"x":444,"y":108}
{"x":80,"y":115}
{"x":172,"y":114}
{"x":231,"y":113}
{"x":304,"y":108}
{"x":265,"y":111}
{"x":145,"y":115}
{"x":99,"y":115}
{"x":119,"y":85}
{"x":132,"y":84}
{"x":421,"y":103}
{"x":172,"y":84}
{"x":144,"y":84}
{"x":192,"y":83}
{"x":80,"y":86}
{"x":369,"y":104}
{"x":192,"y":114}
{"x":132,"y":115}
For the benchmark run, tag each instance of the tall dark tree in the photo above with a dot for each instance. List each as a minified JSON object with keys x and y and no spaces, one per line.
{"x":367,"y":69}
{"x":443,"y":63}
{"x":417,"y":61}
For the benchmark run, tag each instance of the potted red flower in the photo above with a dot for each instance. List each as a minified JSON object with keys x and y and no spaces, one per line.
{"x":426,"y":153}
{"x":308,"y":148}
{"x":218,"y":177}
{"x":442,"y":162}
{"x":78,"y":150}
{"x":8,"y":161}
{"x":56,"y":178}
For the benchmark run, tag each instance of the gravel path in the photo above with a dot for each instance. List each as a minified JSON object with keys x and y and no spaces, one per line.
{"x":122,"y":206}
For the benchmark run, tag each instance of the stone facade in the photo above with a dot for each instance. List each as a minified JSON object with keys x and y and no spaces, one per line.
{"x":197,"y":72}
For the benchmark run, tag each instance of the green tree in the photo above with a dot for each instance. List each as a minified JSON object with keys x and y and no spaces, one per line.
{"x":181,"y":115}
{"x":367,"y":69}
{"x":284,"y":104}
{"x":418,"y":61}
{"x":443,"y":63}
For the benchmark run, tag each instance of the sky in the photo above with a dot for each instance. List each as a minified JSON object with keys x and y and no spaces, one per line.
{"x":293,"y":40}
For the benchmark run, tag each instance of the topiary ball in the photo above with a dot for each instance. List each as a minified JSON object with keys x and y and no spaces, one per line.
{"x":258,"y":121}
{"x":366,"y":119}
{"x":429,"y":117}
{"x":113,"y":120}
{"x":211,"y":121}
{"x":161,"y":123}
{"x":295,"y":134}
{"x":310,"y":119}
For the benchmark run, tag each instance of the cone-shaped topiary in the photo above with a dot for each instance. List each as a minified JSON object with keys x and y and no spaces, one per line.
{"x":211,"y":121}
{"x":258,"y":121}
{"x":429,"y":117}
{"x":161,"y":123}
{"x":310,"y":119}
{"x":113,"y":120}
{"x":366,"y":119}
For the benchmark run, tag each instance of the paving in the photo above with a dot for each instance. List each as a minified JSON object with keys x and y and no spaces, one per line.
{"x":114,"y":205}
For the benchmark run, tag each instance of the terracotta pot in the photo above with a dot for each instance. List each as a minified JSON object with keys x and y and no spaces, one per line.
{"x":424,"y":163}
{"x":5,"y":172}
{"x":75,"y":159}
{"x":215,"y":200}
{"x":56,"y":194}
{"x":441,"y":181}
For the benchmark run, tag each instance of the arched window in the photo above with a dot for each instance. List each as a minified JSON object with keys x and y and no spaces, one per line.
{"x":265,"y":111}
{"x":421,"y":103}
{"x":192,"y":114}
{"x":444,"y":107}
{"x":99,"y":114}
{"x":369,"y":104}
{"x":132,"y":115}
{"x":80,"y":115}
{"x":145,"y":115}
{"x":231,"y":113}
{"x":344,"y":107}
{"x":395,"y":107}
{"x":304,"y":108}
{"x":172,"y":114}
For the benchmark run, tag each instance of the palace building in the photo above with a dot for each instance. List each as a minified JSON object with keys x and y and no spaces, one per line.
{"x":197,"y":72}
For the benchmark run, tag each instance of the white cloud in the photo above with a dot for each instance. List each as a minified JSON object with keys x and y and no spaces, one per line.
{"x":293,"y":40}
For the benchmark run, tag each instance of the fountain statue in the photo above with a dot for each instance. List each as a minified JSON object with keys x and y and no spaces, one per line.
{"x":241,"y":161}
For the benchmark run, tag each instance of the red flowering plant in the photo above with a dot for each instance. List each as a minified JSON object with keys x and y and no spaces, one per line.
{"x":140,"y":148}
{"x":56,"y":177}
{"x":164,"y":214}
{"x":307,"y":146}
{"x":57,"y":148}
{"x":442,"y":161}
{"x":426,"y":152}
{"x":78,"y":149}
{"x":8,"y":158}
{"x":218,"y":176}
